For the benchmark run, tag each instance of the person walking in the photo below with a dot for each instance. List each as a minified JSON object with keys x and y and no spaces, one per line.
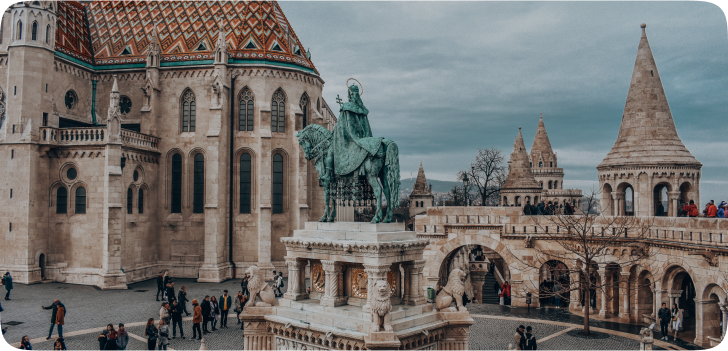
{"x":122,"y":340}
{"x":163,"y":339}
{"x":111,"y":337}
{"x":693,"y":209}
{"x":165,"y":280}
{"x":226,"y":301}
{"x":25,"y":343}
{"x":164,"y":311}
{"x":517,"y":336}
{"x":244,"y":285}
{"x":152,"y":334}
{"x":7,"y":281}
{"x":177,"y":320}
{"x":506,"y":291}
{"x":239,"y":304}
{"x":676,"y":320}
{"x":214,"y":312}
{"x":160,"y":285}
{"x":196,"y":320}
{"x":58,"y":317}
{"x":182,"y":299}
{"x":528,"y":341}
{"x":170,"y":291}
{"x":664,"y":315}
{"x":557,"y":293}
{"x":205,"y":309}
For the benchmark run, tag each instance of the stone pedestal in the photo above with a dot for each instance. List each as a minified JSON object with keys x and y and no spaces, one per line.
{"x":296,"y":279}
{"x":382,"y":341}
{"x":257,"y":336}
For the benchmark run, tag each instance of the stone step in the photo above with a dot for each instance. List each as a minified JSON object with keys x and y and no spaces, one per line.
{"x":354,"y":235}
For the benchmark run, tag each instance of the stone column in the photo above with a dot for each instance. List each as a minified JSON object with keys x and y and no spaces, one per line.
{"x":374,"y":274}
{"x":624,"y":289}
{"x":674,"y":196}
{"x":724,"y":311}
{"x":413,"y":282}
{"x":615,"y":205}
{"x":477,"y":279}
{"x":334,"y":284}
{"x":574,"y":296}
{"x":296,"y":279}
{"x":700,"y":337}
{"x":603,"y":308}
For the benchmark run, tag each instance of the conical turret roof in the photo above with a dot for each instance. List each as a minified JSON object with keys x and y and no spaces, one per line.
{"x":420,"y":187}
{"x":541,"y":144}
{"x":519,"y":168}
{"x":647,"y":135}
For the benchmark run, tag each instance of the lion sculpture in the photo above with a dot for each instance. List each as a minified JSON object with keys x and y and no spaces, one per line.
{"x":453,"y":290}
{"x":258,"y":287}
{"x":381,"y":307}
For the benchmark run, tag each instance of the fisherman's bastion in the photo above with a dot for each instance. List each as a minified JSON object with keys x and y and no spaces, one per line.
{"x":137,"y":137}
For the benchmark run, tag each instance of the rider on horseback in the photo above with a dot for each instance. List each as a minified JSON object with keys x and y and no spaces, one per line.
{"x":352,"y":135}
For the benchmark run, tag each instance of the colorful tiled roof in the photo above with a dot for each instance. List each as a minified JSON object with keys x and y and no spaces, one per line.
{"x":72,"y":35}
{"x":257,"y":30}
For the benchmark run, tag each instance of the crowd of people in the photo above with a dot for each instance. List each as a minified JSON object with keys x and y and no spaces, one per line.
{"x":548,"y":209}
{"x":690,"y":209}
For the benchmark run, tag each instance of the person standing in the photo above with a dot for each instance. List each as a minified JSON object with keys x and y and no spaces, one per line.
{"x":196,"y":320}
{"x":215,"y":312}
{"x":182,"y":299}
{"x":206,"y":310}
{"x":58,"y":317}
{"x":712,"y":211}
{"x":177,"y":320}
{"x":528,"y":341}
{"x":239,"y":304}
{"x":111,"y":337}
{"x":25,"y":343}
{"x":151,"y":333}
{"x":506,"y":291}
{"x":244,"y":285}
{"x":226,"y":302}
{"x":164,"y":311}
{"x":275,"y":284}
{"x":163,"y":339}
{"x":557,"y":293}
{"x":664,"y":315}
{"x":8,"y":282}
{"x":676,"y":319}
{"x":517,"y":337}
{"x":122,"y":340}
{"x":693,"y":209}
{"x":170,"y":291}
{"x":165,"y":280}
{"x":496,"y":288}
{"x":160,"y":285}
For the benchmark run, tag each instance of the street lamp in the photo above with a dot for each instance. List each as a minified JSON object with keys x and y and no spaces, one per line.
{"x":465,"y":188}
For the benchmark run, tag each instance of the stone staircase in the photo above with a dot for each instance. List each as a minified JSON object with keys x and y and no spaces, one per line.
{"x":490,"y":296}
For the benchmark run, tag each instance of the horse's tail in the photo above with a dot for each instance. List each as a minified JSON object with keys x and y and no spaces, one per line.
{"x":391,"y":173}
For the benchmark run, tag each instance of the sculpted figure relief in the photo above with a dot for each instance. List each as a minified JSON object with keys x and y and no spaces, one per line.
{"x":453,"y":290}
{"x":381,"y":307}
{"x":258,"y":287}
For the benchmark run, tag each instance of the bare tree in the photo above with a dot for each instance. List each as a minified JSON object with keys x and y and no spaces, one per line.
{"x":487,"y":174}
{"x":582,"y":243}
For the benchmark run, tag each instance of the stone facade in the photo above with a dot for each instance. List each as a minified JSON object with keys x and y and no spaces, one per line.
{"x":124,"y":134}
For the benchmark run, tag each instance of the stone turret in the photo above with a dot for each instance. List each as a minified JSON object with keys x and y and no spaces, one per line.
{"x":648,"y":163}
{"x":421,"y":196}
{"x":543,"y":160}
{"x":520,"y":186}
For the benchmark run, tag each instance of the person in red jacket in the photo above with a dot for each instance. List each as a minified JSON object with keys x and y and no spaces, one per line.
{"x":712,"y":210}
{"x":693,"y":209}
{"x":506,"y":293}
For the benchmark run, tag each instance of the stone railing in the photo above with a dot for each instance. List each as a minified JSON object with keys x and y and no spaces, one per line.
{"x":95,"y":136}
{"x":552,"y":170}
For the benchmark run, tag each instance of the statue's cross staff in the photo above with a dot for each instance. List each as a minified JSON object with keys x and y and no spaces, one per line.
{"x":339,"y":101}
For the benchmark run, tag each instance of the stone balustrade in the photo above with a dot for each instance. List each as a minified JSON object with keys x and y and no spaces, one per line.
{"x":95,"y":136}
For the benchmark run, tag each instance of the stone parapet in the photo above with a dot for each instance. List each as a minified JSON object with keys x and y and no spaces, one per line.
{"x":85,"y":136}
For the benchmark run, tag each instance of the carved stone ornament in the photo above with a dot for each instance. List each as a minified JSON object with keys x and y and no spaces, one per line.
{"x":359,"y":280}
{"x":319,"y":278}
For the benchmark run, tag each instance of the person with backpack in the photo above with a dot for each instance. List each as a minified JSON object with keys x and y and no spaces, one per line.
{"x":151,"y":333}
{"x":518,"y":336}
{"x":528,"y":341}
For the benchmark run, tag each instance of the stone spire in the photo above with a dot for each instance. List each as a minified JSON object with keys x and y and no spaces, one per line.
{"x":542,"y":146}
{"x":519,"y":168}
{"x":114,"y":96}
{"x":647,"y":135}
{"x":153,"y":49}
{"x":420,"y":187}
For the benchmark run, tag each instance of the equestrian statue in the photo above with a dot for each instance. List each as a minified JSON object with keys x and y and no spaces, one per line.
{"x":351,"y":163}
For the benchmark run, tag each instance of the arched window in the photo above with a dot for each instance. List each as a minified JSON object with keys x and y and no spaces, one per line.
{"x":278,"y":112}
{"x":129,"y":200}
{"x":540,"y":164}
{"x":189,"y":111}
{"x":176,"y":183}
{"x":318,"y":105}
{"x":20,"y":32}
{"x":550,"y":184}
{"x":34,"y":31}
{"x":140,"y":204}
{"x":417,"y":204}
{"x":198,"y":191}
{"x":246,"y":110}
{"x":556,"y":184}
{"x":61,"y":200}
{"x":277,"y":202}
{"x":48,"y":34}
{"x":245,"y":182}
{"x":551,"y":164}
{"x":303,"y":104}
{"x":80,"y":200}
{"x":541,"y":185}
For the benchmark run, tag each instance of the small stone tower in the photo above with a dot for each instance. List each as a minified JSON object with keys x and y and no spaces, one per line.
{"x":543,"y":160}
{"x":520,"y":186}
{"x":421,"y":196}
{"x":648,"y":163}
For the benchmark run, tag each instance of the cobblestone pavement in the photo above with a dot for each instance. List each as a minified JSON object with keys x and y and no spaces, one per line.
{"x":90,"y":309}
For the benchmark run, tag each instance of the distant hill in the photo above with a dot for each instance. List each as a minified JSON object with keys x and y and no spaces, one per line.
{"x":438,"y":186}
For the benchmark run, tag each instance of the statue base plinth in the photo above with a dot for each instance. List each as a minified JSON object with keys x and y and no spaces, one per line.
{"x":382,"y":341}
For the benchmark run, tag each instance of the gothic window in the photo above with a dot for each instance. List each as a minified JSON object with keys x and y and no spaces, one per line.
{"x":71,"y":174}
{"x":80,"y":200}
{"x":20,"y":32}
{"x":417,"y":204}
{"x":71,"y":99}
{"x":304,"y":108}
{"x":540,"y":164}
{"x":278,"y":112}
{"x":48,"y":34}
{"x":124,"y":104}
{"x":129,"y":200}
{"x":247,"y":102}
{"x":61,"y":200}
{"x":551,"y":164}
{"x":176,"y":183}
{"x":245,"y":182}
{"x":318,"y":104}
{"x":188,"y":111}
{"x":34,"y":31}
{"x":277,"y":202}
{"x":140,"y":204}
{"x":198,"y":191}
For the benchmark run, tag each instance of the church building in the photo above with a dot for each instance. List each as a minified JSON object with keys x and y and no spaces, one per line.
{"x":146,"y":136}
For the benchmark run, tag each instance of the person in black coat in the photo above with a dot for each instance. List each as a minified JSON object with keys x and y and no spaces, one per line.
{"x":177,"y":320}
{"x":244,"y":286}
{"x":206,"y":309}
{"x":170,"y":291}
{"x":160,"y":285}
{"x":182,"y":299}
{"x":54,"y":306}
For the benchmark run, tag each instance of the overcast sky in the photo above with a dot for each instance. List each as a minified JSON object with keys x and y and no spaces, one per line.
{"x":443,"y":79}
